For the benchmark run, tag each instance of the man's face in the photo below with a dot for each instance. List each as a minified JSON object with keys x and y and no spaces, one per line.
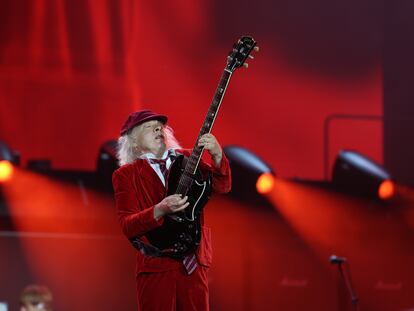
{"x":150,"y":137}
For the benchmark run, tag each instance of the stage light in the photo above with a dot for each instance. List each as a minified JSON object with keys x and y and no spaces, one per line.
{"x":250,"y":174}
{"x":39,"y":165}
{"x":358,"y":174}
{"x":386,"y":190}
{"x":107,"y":162}
{"x":6,"y":170}
{"x":265,"y":183}
{"x":8,"y":158}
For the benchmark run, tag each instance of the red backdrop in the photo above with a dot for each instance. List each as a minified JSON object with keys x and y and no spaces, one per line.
{"x":71,"y":71}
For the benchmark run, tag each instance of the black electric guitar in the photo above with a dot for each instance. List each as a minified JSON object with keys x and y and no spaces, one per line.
{"x":180,"y":232}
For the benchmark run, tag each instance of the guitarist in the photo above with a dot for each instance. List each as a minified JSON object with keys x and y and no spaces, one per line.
{"x":163,"y":283}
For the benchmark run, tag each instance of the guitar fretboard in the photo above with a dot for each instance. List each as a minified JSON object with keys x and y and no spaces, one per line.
{"x":190,"y":169}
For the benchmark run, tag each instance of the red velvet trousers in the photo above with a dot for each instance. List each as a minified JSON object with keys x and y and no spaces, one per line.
{"x":173,"y":290}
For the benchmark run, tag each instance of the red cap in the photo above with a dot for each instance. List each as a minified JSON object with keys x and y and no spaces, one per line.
{"x":138,"y":117}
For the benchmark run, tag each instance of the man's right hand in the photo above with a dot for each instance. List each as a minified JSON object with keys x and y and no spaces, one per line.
{"x":169,"y":205}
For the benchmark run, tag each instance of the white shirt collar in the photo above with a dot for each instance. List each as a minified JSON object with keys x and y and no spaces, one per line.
{"x":150,"y":155}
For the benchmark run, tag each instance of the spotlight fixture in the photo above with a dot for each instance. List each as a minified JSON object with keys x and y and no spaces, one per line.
{"x":6,"y":170}
{"x":39,"y":165}
{"x":265,"y":183}
{"x":250,"y":174}
{"x":8,"y":158}
{"x":107,"y":162}
{"x":358,"y":174}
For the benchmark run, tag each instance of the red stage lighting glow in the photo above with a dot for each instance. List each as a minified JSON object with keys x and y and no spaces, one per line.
{"x":386,"y":190}
{"x":265,"y":183}
{"x":6,"y":170}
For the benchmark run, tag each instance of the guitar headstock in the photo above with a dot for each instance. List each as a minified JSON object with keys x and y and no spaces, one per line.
{"x":241,"y":51}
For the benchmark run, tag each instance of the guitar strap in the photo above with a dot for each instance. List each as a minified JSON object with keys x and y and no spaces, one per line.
{"x":189,"y":261}
{"x":146,"y":248}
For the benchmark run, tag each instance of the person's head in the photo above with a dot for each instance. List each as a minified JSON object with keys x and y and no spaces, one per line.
{"x":144,"y":132}
{"x":36,"y":298}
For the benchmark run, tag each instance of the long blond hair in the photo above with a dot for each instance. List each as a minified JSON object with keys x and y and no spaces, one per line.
{"x":128,"y":152}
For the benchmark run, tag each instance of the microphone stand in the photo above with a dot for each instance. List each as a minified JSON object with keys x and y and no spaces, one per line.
{"x":346,"y":275}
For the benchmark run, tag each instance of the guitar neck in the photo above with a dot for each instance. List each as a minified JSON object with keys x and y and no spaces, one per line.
{"x":194,"y":159}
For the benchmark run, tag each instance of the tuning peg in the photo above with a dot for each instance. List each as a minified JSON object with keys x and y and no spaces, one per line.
{"x":251,"y":56}
{"x":246,"y":65}
{"x":256,"y":48}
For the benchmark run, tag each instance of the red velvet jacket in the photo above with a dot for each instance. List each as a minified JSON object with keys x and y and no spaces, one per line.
{"x":138,"y":188}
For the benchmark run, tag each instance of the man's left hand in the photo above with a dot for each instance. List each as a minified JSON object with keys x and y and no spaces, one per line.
{"x":209,"y":142}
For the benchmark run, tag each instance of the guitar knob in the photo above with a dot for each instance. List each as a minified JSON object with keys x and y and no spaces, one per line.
{"x":256,"y":48}
{"x":246,"y":65}
{"x":251,"y":56}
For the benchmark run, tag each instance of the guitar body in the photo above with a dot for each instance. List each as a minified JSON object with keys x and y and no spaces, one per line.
{"x":180,"y":233}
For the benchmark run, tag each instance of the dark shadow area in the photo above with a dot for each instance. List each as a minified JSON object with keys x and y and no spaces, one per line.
{"x":337,"y":38}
